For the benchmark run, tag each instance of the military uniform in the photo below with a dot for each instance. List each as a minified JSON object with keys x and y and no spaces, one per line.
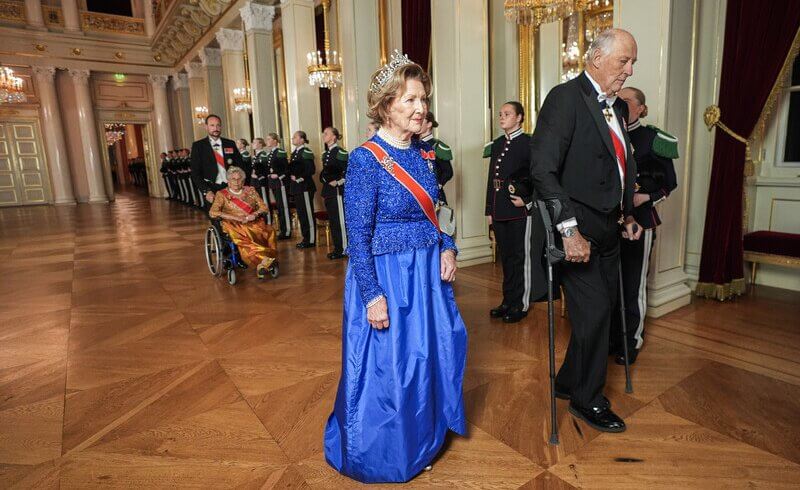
{"x":510,"y":161}
{"x":258,"y":178}
{"x":444,"y":165}
{"x":165,"y":175}
{"x":278,"y":166}
{"x":334,"y":168}
{"x":654,"y":151}
{"x":248,"y":159}
{"x":303,"y":188}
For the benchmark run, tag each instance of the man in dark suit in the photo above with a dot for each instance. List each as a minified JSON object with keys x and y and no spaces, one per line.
{"x":211,"y":158}
{"x":582,"y":158}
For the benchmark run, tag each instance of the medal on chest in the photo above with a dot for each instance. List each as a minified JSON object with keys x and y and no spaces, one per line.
{"x":429,"y":157}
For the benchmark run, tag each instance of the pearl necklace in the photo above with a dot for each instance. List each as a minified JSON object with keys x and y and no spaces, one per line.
{"x":236,"y":193}
{"x":396,"y":142}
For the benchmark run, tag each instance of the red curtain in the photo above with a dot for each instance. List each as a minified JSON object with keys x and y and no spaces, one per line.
{"x":325,"y":101}
{"x":416,"y":20}
{"x":758,"y":37}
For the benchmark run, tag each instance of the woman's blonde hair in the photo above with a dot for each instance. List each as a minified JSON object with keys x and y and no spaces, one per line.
{"x":235,"y":170}
{"x":639,"y":96}
{"x":380,"y":100}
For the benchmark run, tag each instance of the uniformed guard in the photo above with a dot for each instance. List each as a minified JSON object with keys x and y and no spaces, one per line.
{"x":259,"y":174}
{"x":444,"y":155}
{"x":303,"y":188}
{"x":654,"y":151}
{"x":165,"y":175}
{"x":334,"y":168}
{"x":277,"y":167}
{"x":510,"y":214}
{"x":247,"y":158}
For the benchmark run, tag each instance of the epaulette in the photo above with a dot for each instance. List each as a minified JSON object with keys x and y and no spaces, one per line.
{"x":307,"y":153}
{"x":245,"y":154}
{"x":342,"y":155}
{"x":281,"y":152}
{"x":443,"y":152}
{"x":664,"y":144}
{"x":487,"y":149}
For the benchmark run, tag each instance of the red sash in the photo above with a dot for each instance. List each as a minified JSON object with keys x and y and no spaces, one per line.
{"x":238,"y":202}
{"x":218,"y":157}
{"x":619,"y":148}
{"x":395,"y":170}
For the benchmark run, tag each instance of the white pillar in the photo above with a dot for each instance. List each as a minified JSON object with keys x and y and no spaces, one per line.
{"x":55,"y":143}
{"x":211,"y":58}
{"x":149,"y":22}
{"x":89,"y":137}
{"x":160,"y":113}
{"x":231,"y":43}
{"x":198,"y":95}
{"x":72,"y":17}
{"x":33,"y":14}
{"x":460,"y":46}
{"x":664,"y":73}
{"x":257,"y":20}
{"x":360,"y":50}
{"x":183,"y":104}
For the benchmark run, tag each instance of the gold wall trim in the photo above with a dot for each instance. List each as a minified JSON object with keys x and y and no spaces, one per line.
{"x":383,"y":31}
{"x":52,"y":16}
{"x":117,"y":24}
{"x":12,"y":12}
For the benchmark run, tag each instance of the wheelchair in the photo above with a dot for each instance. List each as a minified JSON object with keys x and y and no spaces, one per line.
{"x":222,"y":255}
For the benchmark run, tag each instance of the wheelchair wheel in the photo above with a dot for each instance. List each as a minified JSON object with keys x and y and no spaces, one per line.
{"x":214,"y":257}
{"x":274,"y":271}
{"x":231,"y":276}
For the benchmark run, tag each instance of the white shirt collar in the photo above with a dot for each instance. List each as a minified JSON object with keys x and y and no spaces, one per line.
{"x":215,"y":141}
{"x":513,"y":135}
{"x":335,"y":145}
{"x":601,"y":96}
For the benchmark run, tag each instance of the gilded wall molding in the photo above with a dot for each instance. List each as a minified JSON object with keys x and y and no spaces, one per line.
{"x":185,"y":22}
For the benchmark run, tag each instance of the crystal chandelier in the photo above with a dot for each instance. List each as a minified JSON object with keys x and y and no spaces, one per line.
{"x":114,"y":132}
{"x":11,"y":87}
{"x":201,"y":113}
{"x":537,"y":12}
{"x":325,"y":69}
{"x":241,"y":95}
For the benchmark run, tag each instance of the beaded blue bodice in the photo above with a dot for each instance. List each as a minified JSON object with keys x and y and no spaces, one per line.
{"x":381,"y":216}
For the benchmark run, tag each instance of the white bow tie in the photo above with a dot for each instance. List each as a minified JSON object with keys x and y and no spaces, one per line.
{"x":605,"y":98}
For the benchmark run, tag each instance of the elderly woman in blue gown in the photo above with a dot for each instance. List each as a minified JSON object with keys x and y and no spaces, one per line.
{"x":403,"y":340}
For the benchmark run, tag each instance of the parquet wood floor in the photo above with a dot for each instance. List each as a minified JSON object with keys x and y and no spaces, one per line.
{"x":123,"y":363}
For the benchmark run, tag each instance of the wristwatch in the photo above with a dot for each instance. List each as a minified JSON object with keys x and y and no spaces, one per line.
{"x":569,"y":232}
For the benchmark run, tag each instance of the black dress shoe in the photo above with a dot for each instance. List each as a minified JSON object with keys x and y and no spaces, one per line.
{"x":600,"y":418}
{"x":281,"y":237}
{"x":632,"y":355}
{"x":499,"y":312}
{"x":301,"y":245}
{"x":336,"y":255}
{"x":514,"y":315}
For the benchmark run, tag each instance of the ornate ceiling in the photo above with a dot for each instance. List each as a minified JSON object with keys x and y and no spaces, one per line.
{"x":183,"y":24}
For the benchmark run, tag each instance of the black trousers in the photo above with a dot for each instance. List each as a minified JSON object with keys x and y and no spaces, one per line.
{"x":635,"y":259}
{"x":168,"y":186}
{"x":263,"y":191}
{"x":591,"y":289}
{"x":284,"y":216}
{"x":304,"y":203}
{"x":513,"y":239}
{"x":335,"y":208}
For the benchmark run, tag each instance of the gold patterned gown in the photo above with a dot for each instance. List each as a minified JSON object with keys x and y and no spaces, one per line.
{"x":256,"y":240}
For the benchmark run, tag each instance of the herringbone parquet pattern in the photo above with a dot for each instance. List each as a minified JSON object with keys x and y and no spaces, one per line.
{"x":125,"y":364}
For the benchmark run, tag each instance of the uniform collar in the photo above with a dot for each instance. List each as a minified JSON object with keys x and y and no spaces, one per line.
{"x":427,"y":137}
{"x":214,"y":141}
{"x":335,"y":145}
{"x":513,"y":135}
{"x":601,"y":96}
{"x":635,"y":125}
{"x":299,"y":147}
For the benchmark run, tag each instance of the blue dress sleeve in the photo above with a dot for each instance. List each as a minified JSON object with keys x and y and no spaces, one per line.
{"x":360,"y":210}
{"x":447,"y":243}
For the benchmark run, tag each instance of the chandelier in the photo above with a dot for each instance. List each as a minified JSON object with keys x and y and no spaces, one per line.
{"x":241,"y":95}
{"x":201,"y":113}
{"x":325,"y":68}
{"x":11,"y":87}
{"x":114,"y":132}
{"x":537,"y":12}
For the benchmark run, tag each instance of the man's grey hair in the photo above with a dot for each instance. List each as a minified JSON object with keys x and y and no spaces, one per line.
{"x":604,"y":42}
{"x":235,"y":170}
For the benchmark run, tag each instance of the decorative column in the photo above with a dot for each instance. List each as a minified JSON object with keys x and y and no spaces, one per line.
{"x":257,"y":20}
{"x":183,"y":104}
{"x":211,"y":58}
{"x":161,"y":125}
{"x":55,"y":143}
{"x":89,"y":136}
{"x":360,"y":50}
{"x":198,"y":95}
{"x":33,"y":15}
{"x":231,"y":43}
{"x":72,"y":17}
{"x":149,"y":22}
{"x":665,"y":75}
{"x":302,"y":98}
{"x":460,"y":42}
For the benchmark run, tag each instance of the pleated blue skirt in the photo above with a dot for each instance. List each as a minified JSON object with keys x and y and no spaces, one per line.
{"x":401,"y":387}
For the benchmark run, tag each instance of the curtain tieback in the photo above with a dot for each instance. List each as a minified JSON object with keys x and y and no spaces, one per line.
{"x":712,"y":117}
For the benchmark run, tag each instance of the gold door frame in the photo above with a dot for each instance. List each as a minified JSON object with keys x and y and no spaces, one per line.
{"x":44,"y":167}
{"x":154,"y":188}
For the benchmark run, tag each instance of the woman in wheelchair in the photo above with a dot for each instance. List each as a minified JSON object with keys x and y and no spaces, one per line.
{"x":240,"y":208}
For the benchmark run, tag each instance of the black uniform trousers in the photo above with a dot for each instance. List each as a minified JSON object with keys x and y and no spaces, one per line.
{"x":591,"y":289}
{"x":635,"y":259}
{"x":304,"y":203}
{"x":335,"y":208}
{"x":513,"y":240}
{"x":284,"y":213}
{"x":260,"y":184}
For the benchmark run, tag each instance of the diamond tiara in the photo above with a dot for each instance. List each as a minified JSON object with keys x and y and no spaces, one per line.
{"x":397,"y":60}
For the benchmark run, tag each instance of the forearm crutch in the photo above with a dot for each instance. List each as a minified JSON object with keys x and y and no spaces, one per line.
{"x":628,"y":384}
{"x":553,"y":256}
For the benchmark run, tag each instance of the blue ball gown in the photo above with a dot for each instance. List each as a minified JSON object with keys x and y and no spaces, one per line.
{"x":401,"y":387}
